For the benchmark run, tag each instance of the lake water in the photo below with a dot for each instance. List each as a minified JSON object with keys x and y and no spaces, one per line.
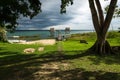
{"x":42,"y":33}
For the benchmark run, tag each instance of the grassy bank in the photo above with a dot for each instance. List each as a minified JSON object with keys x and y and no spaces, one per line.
{"x":67,"y":62}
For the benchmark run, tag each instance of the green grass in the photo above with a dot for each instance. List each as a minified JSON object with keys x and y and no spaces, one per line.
{"x":75,"y":45}
{"x":71,"y":63}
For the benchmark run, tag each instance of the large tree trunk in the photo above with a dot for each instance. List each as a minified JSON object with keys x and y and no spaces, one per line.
{"x":101,"y":26}
{"x":101,"y":46}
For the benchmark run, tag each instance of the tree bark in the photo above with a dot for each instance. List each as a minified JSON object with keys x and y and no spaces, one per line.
{"x":94,"y":16}
{"x":100,"y":12}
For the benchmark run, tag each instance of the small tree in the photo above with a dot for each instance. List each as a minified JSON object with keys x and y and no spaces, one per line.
{"x":3,"y":32}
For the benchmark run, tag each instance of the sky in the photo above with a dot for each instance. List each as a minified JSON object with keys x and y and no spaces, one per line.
{"x":77,"y":17}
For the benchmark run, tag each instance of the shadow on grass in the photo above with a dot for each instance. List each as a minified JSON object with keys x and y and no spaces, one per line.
{"x":15,"y":57}
{"x":81,"y":74}
{"x":110,"y":59}
{"x":28,"y":66}
{"x":17,"y":66}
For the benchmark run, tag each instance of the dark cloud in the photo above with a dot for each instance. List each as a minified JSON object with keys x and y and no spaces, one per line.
{"x":77,"y":17}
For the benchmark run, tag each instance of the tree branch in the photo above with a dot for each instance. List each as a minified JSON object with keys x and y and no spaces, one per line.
{"x":109,"y":15}
{"x":94,"y":16}
{"x":100,"y":12}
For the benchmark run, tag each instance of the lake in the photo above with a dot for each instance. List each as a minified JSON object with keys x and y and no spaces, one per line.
{"x":42,"y":33}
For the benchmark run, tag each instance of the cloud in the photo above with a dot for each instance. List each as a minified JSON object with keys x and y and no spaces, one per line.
{"x":78,"y":16}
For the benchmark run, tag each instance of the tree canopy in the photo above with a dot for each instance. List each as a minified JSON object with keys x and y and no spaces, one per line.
{"x":11,"y":10}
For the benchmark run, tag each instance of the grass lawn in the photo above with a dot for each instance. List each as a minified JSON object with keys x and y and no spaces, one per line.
{"x":70,"y":62}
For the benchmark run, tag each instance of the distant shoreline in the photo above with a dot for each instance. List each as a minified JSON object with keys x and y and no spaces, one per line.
{"x":43,"y":33}
{"x":55,"y":30}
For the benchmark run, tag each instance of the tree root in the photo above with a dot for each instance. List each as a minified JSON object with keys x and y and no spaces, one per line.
{"x":100,"y":49}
